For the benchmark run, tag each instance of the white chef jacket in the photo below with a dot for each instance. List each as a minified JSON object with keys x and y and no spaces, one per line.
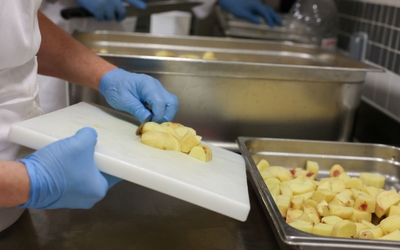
{"x":19,"y":43}
{"x":53,"y":92}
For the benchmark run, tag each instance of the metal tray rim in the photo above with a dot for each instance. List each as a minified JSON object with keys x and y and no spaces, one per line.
{"x":292,"y":236}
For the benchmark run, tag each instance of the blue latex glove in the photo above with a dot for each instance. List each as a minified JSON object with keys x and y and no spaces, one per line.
{"x":250,"y":10}
{"x":130,"y":92}
{"x":64,"y":175}
{"x":107,"y":10}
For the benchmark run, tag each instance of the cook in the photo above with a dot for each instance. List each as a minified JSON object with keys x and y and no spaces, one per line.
{"x":63,"y":174}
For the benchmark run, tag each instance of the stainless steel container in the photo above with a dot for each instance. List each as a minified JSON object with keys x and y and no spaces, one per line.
{"x":236,"y":27}
{"x":354,"y":157}
{"x":254,"y":88}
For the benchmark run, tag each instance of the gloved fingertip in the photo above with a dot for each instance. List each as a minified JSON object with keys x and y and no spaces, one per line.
{"x":87,"y":131}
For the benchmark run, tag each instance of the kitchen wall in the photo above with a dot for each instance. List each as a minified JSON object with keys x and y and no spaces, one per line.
{"x":380,"y":19}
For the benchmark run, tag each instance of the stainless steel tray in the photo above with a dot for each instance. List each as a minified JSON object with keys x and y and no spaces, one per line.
{"x":235,"y":27}
{"x":255,"y":88}
{"x":354,"y":157}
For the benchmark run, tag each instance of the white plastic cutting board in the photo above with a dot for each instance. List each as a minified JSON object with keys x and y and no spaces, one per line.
{"x":219,"y":185}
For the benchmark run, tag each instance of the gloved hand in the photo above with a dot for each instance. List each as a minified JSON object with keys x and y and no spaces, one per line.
{"x":107,"y":10}
{"x":250,"y":10}
{"x":64,"y":175}
{"x":130,"y":92}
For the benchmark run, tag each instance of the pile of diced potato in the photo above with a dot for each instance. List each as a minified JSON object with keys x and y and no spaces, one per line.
{"x":339,"y":205}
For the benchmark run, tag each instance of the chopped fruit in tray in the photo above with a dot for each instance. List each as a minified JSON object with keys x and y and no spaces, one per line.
{"x":338,"y":206}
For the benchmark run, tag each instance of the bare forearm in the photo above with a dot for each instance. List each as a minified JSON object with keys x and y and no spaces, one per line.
{"x":63,"y":57}
{"x":14,"y":184}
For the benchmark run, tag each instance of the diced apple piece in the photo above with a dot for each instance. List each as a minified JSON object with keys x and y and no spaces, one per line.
{"x":372,"y":191}
{"x":393,"y":210}
{"x":311,"y":202}
{"x":201,"y":152}
{"x":312,"y":213}
{"x":287,"y":191}
{"x":182,"y":131}
{"x":151,"y":126}
{"x":293,"y":214}
{"x":365,"y":203}
{"x":173,"y":125}
{"x":265,"y":174}
{"x":187,"y":142}
{"x":198,"y":138}
{"x":322,"y":229}
{"x":359,"y":216}
{"x":323,"y":209}
{"x":326,"y":185}
{"x":306,"y":196}
{"x":336,"y":170}
{"x":158,"y":139}
{"x":395,"y":235}
{"x":344,"y":176}
{"x":301,"y":188}
{"x":357,"y":192}
{"x":323,"y":194}
{"x":360,"y":227}
{"x":297,"y":203}
{"x":302,"y":226}
{"x":272,"y":180}
{"x":384,"y":201}
{"x":355,"y":183}
{"x":390,"y":224}
{"x":344,"y":228}
{"x":346,"y":196}
{"x":330,"y":220}
{"x":336,"y":202}
{"x":371,"y":233}
{"x":313,"y":167}
{"x":177,"y":145}
{"x":274,"y":188}
{"x":305,"y":217}
{"x":340,"y":211}
{"x":275,"y":170}
{"x":368,"y":224}
{"x":284,"y":175}
{"x":165,"y":53}
{"x":375,"y":180}
{"x":262,"y":164}
{"x":283,"y":203}
{"x":338,"y":186}
{"x":208,"y":55}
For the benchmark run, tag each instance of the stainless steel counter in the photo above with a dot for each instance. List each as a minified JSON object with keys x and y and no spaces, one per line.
{"x":133,"y":217}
